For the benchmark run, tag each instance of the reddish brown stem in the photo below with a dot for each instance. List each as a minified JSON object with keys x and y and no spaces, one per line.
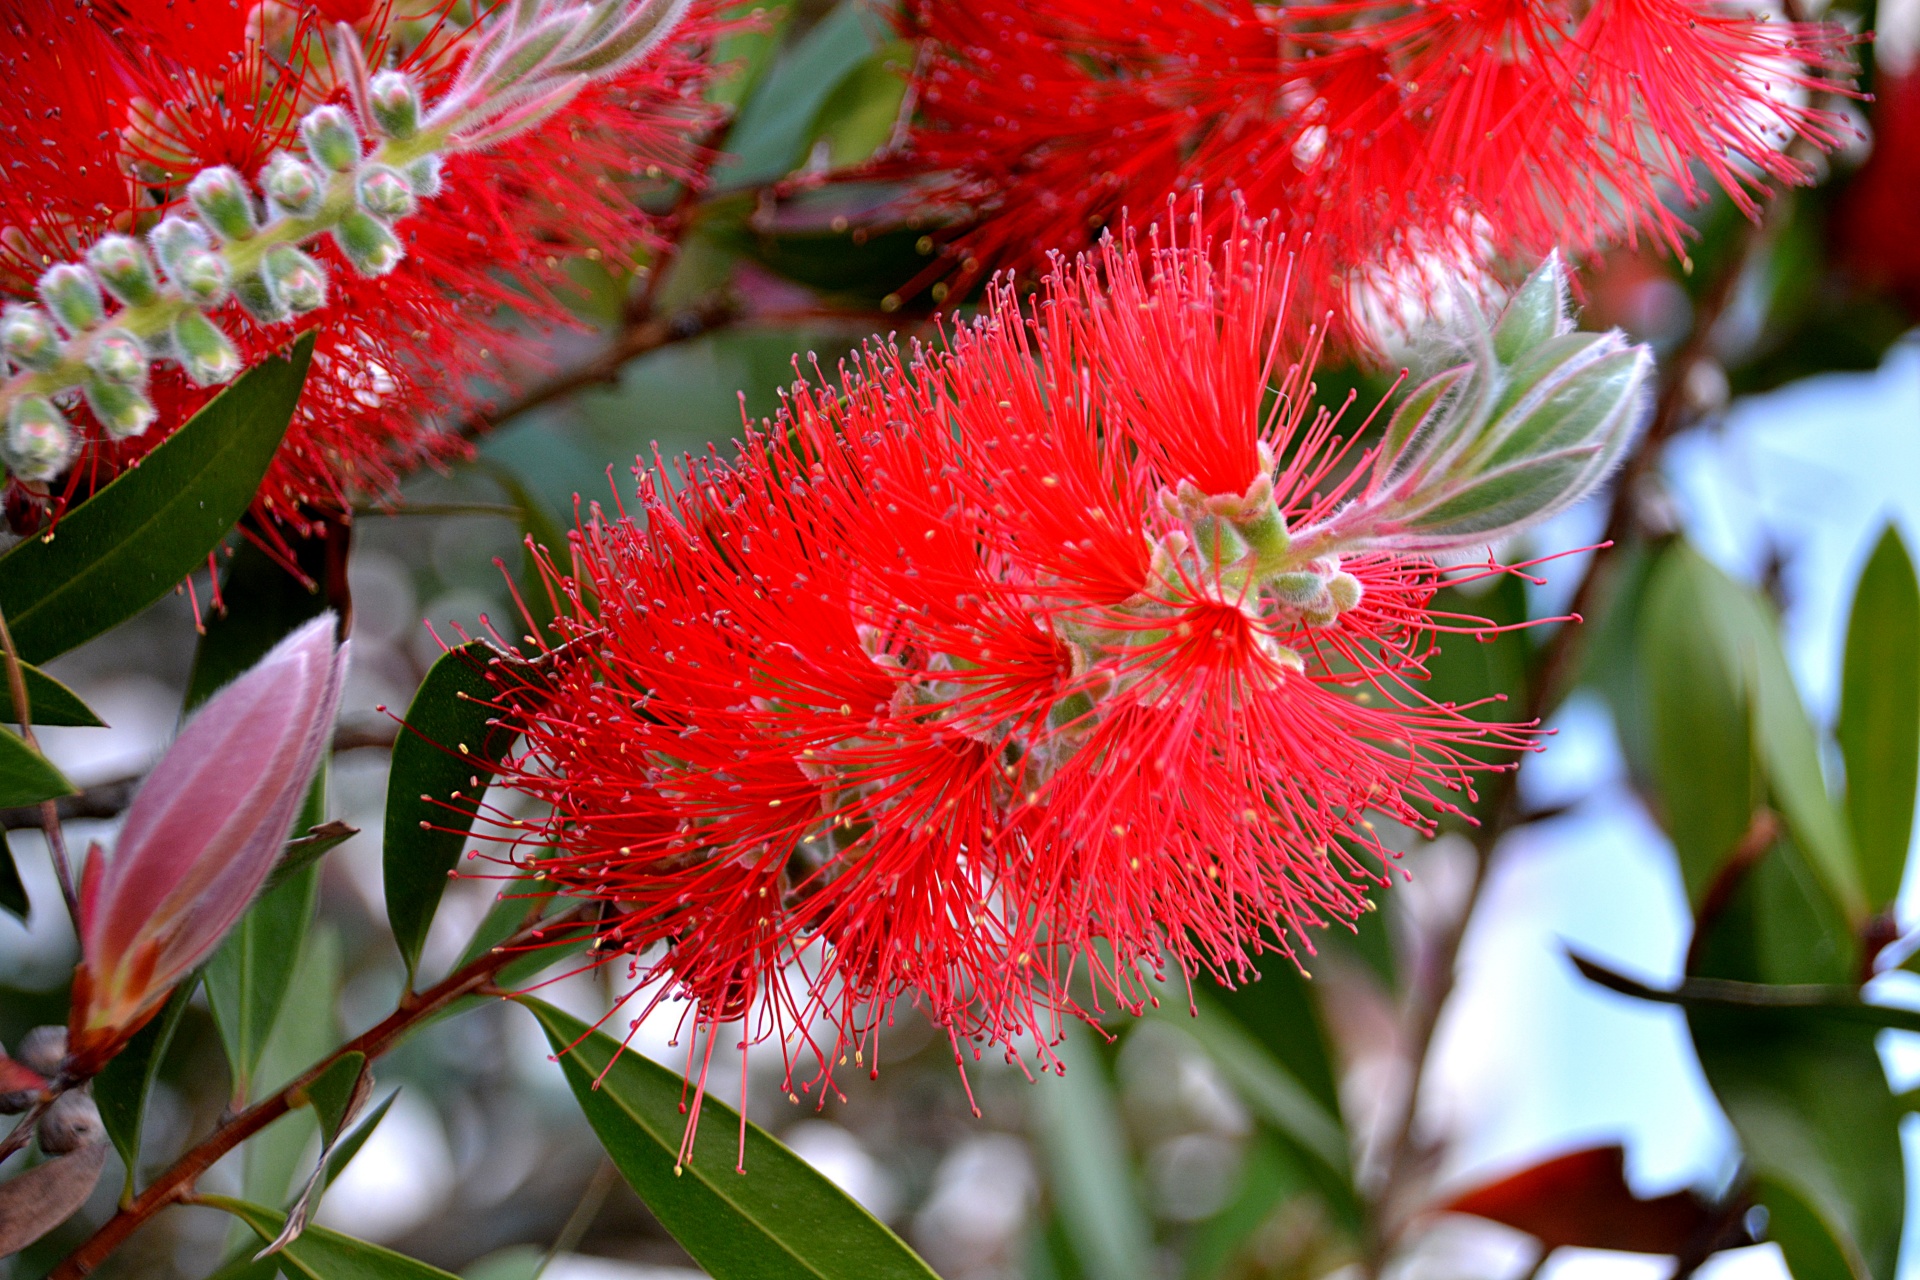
{"x":176,"y":1183}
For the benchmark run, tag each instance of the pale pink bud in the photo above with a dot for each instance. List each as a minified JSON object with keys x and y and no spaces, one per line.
{"x":199,"y":840}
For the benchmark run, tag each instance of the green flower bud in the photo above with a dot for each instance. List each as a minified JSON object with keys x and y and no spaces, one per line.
{"x":39,"y":442}
{"x":27,"y":337}
{"x":368,"y":244}
{"x":297,"y":280}
{"x":122,"y":266}
{"x":221,"y":198}
{"x":1346,"y":590}
{"x":203,"y":350}
{"x":423,"y":175}
{"x":118,"y":356}
{"x":331,"y":138}
{"x":254,"y":292}
{"x":185,"y":252}
{"x":395,"y":103}
{"x":293,"y":186}
{"x":73,"y":295}
{"x":123,"y":410}
{"x":383,"y":192}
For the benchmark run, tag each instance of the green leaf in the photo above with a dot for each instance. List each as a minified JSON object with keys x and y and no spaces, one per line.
{"x":1879,"y":726}
{"x":1816,"y":1247}
{"x":265,"y":604}
{"x":349,"y":1146}
{"x":769,"y":138}
{"x":331,"y":1093}
{"x":50,"y":703}
{"x":859,"y":116}
{"x":1536,"y":312}
{"x":1264,"y":1083}
{"x":780,"y":1220}
{"x":320,"y":1254}
{"x":1804,"y":1087}
{"x":1744,"y":634}
{"x":26,"y":776}
{"x":432,"y":792}
{"x":1700,"y":728}
{"x":248,"y":978}
{"x":134,"y":540}
{"x":303,"y":851}
{"x":537,"y":523}
{"x":741,"y":58}
{"x":13,"y":890}
{"x":306,"y":1031}
{"x":1083,"y":1144}
{"x":122,"y":1087}
{"x":1268,"y":1178}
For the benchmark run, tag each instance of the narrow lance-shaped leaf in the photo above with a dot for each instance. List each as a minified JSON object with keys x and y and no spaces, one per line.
{"x":13,"y":890}
{"x":1880,"y":716}
{"x":320,"y":1254}
{"x":49,"y":702}
{"x":781,"y":1220}
{"x":121,"y":1090}
{"x":133,"y":541}
{"x":26,"y":776}
{"x":1091,"y":1178}
{"x":433,"y":789}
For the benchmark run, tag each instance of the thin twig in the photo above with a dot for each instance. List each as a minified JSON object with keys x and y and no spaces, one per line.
{"x":634,"y":339}
{"x":176,"y":1182}
{"x":49,"y":814}
{"x":110,"y":799}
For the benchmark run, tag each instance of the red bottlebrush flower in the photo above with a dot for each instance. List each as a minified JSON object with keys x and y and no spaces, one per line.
{"x":1020,"y":655}
{"x":1395,"y":144}
{"x":113,"y":104}
{"x":200,"y":839}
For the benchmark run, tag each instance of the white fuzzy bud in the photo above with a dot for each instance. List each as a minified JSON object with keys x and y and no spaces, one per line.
{"x":332,"y":138}
{"x":367,"y":243}
{"x":73,"y":296}
{"x":292,"y":186}
{"x":186,"y":254}
{"x":395,"y":104}
{"x":122,"y":266}
{"x":383,"y":192}
{"x":39,"y":442}
{"x":423,"y":175}
{"x":123,"y":410}
{"x":296,"y":279}
{"x":255,"y":293}
{"x":205,"y":352}
{"x":221,"y":198}
{"x":28,"y":337}
{"x":119,"y":356}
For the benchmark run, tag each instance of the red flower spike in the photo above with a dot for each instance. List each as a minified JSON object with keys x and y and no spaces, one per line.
{"x":998,"y":662}
{"x":205,"y":829}
{"x":105,"y":97}
{"x":1401,"y":146}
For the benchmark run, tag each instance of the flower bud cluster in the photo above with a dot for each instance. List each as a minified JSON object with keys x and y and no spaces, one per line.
{"x":101,"y":323}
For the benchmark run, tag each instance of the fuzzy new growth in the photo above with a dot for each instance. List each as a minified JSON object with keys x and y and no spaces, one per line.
{"x":529,"y":63}
{"x":1022,"y":660}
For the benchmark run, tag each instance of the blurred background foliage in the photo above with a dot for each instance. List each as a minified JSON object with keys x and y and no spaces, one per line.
{"x":1297,"y":1127}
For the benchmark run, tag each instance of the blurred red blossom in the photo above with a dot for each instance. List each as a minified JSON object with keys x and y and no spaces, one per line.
{"x":113,"y":107}
{"x":997,"y":664}
{"x":1403,"y":146}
